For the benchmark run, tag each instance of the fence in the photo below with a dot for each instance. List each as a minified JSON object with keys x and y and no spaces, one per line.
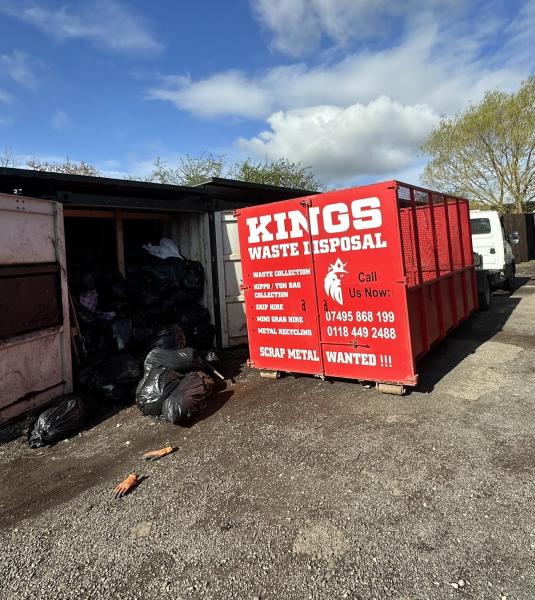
{"x":524,"y":224}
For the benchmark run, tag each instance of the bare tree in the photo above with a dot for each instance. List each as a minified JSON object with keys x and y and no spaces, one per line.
{"x":67,"y":167}
{"x":7,"y":158}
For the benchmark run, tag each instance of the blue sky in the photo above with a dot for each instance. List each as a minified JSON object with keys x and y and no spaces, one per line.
{"x":348,"y":87}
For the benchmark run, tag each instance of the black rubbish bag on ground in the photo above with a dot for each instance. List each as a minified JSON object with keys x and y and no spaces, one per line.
{"x":188,"y":399}
{"x":181,"y":299}
{"x":115,"y":378}
{"x":122,"y":333}
{"x":171,"y":338}
{"x":203,"y":336}
{"x":194,"y":314}
{"x":169,"y":270}
{"x":90,"y":328}
{"x":144,"y":288}
{"x":111,"y":287}
{"x":193,"y":282}
{"x":181,"y":360}
{"x":142,"y":332}
{"x":154,"y":388}
{"x":58,"y":422}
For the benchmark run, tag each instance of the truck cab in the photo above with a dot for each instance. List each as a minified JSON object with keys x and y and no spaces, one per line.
{"x":492,"y":243}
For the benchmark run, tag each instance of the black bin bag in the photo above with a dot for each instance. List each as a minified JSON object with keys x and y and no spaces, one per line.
{"x":171,"y":338}
{"x":58,"y":422}
{"x":154,"y":388}
{"x":114,"y":379}
{"x":188,"y":399}
{"x":181,"y":360}
{"x":203,"y":336}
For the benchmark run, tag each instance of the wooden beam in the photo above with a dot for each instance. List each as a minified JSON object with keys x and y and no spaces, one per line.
{"x":119,"y":239}
{"x":110,"y":214}
{"x":149,"y":216}
{"x":89,"y":214}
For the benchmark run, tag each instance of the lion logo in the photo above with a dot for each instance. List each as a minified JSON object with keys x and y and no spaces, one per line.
{"x":332,"y":282}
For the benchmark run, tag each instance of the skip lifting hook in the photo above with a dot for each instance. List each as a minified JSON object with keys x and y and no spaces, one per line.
{"x":303,"y":306}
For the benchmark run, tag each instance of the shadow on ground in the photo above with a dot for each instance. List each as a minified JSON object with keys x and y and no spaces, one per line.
{"x":478,"y":329}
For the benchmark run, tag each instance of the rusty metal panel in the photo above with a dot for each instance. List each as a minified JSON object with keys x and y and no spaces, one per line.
{"x":27,"y":230}
{"x":30,"y":369}
{"x":30,"y":299}
{"x":35,"y":359}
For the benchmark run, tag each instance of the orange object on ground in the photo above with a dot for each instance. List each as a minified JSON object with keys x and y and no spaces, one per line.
{"x":126,"y":486}
{"x":157,"y":454}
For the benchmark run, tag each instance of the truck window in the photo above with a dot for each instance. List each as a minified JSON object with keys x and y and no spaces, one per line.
{"x":480,"y":226}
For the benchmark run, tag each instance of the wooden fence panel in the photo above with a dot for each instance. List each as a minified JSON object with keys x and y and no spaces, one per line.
{"x":524,"y":225}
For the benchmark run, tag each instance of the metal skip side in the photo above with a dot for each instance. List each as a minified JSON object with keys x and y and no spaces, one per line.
{"x":357,"y":283}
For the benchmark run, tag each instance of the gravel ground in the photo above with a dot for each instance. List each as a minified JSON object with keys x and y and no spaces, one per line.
{"x":298,"y":488}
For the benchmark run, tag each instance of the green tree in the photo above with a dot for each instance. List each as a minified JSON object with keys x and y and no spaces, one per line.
{"x":195,"y":170}
{"x":487,"y":153}
{"x":281,"y":172}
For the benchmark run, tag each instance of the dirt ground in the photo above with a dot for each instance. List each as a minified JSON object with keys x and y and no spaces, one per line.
{"x":297,"y":488}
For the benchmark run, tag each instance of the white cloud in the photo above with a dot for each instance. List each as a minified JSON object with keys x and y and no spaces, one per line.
{"x":298,"y":26}
{"x":15,"y":66}
{"x":375,"y":138}
{"x":420,"y":69}
{"x":228,"y":93}
{"x":106,"y":23}
{"x":369,"y":111}
{"x":60,"y":120}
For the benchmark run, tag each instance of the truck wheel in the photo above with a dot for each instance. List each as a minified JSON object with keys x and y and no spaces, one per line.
{"x":509,"y":283}
{"x":485,"y":296}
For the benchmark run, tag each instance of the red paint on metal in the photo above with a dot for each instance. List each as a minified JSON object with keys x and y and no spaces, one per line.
{"x":357,"y":283}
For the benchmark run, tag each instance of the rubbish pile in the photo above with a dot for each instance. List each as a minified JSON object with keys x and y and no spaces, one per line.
{"x":120,"y":321}
{"x":175,"y":384}
{"x":147,"y":339}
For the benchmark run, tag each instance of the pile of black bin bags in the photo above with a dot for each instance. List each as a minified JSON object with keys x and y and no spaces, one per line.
{"x":122,"y":320}
{"x":146,"y":338}
{"x":175,"y":384}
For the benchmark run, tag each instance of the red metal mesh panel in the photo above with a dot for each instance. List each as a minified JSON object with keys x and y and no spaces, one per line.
{"x":426,"y":242}
{"x":466,"y":234}
{"x":451,"y":226}
{"x":441,"y":228}
{"x":456,"y":240}
{"x":409,"y":246}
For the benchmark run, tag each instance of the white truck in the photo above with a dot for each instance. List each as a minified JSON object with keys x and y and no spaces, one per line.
{"x":497,"y":264}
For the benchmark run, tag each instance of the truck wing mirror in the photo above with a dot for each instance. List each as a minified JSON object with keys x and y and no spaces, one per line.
{"x":514,"y":238}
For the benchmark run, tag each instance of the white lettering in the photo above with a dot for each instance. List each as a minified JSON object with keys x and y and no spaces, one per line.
{"x":343,"y":218}
{"x":366,"y":213}
{"x":258,"y":231}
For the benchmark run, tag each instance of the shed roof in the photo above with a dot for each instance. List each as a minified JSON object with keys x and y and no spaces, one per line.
{"x":80,"y":190}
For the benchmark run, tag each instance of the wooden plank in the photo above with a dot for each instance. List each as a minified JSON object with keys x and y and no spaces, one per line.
{"x":517,"y":222}
{"x":88,"y":214}
{"x":110,"y":214}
